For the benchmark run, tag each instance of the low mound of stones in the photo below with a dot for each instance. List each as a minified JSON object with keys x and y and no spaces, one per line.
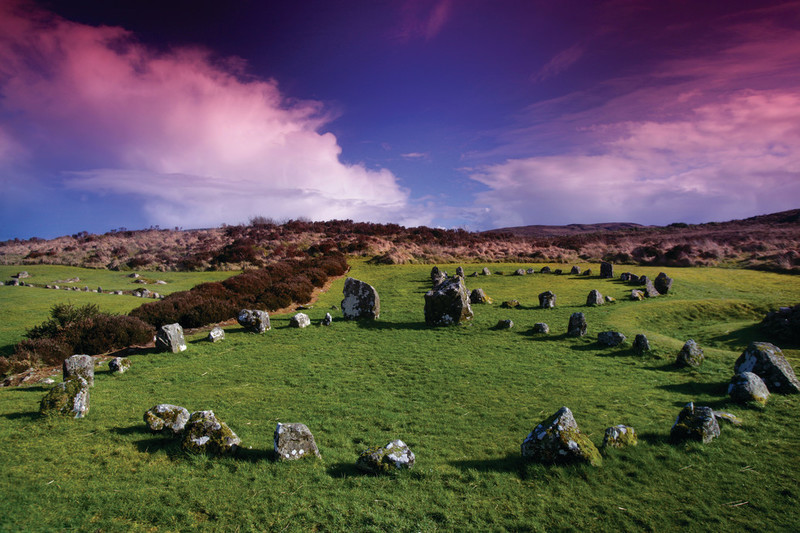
{"x":199,"y":432}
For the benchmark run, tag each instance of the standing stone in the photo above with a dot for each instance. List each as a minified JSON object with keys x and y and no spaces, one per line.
{"x":663,"y":283}
{"x":170,"y":338}
{"x":577,"y":325}
{"x":79,"y":365}
{"x":541,"y":327}
{"x":547,"y":300}
{"x":606,"y":270}
{"x":557,"y":439}
{"x":447,"y":304}
{"x":204,"y":433}
{"x":460,"y":272}
{"x":588,"y":272}
{"x":486,"y":272}
{"x":119,"y":365}
{"x":594,"y":298}
{"x":610,"y":338}
{"x":294,"y":441}
{"x":477,"y":296}
{"x":767,"y":361}
{"x":68,"y":398}
{"x":436,"y":275}
{"x":625,"y":276}
{"x":575,"y":271}
{"x":394,"y":456}
{"x":641,"y":345}
{"x":690,"y":355}
{"x":619,"y":437}
{"x":360,"y":300}
{"x":254,"y":321}
{"x":166,"y":418}
{"x":216,"y":334}
{"x":650,"y":290}
{"x":633,"y":279}
{"x":300,"y":320}
{"x":327,"y":321}
{"x":748,"y":387}
{"x":519,"y":272}
{"x":643,"y":280}
{"x":545,"y":270}
{"x":695,"y":423}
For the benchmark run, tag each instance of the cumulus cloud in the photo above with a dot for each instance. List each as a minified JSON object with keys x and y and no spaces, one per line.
{"x":189,"y":135}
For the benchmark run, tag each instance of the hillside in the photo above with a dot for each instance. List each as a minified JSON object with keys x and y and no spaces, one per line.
{"x":770,"y":242}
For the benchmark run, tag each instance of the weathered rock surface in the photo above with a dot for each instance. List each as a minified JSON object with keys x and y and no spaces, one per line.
{"x":606,"y":270}
{"x":637,"y":295}
{"x":575,"y":270}
{"x":547,"y":300}
{"x":254,"y":320}
{"x":519,"y":272}
{"x":545,"y":270}
{"x":166,"y":418}
{"x":695,"y":423}
{"x":768,"y":362}
{"x":594,"y":298}
{"x":558,"y":272}
{"x":641,"y":345}
{"x":505,"y":324}
{"x":300,"y":320}
{"x":327,"y":321}
{"x":748,"y":387}
{"x":510,"y":304}
{"x":633,"y":279}
{"x":447,"y":304}
{"x":625,"y":276}
{"x":650,"y":290}
{"x":205,"y":433}
{"x":558,"y":439}
{"x":170,"y":338}
{"x":530,"y":271}
{"x":68,"y":398}
{"x":541,"y":327}
{"x":662,"y":283}
{"x":690,"y":355}
{"x":361,"y":300}
{"x":390,"y":458}
{"x":620,"y":436}
{"x":610,"y":299}
{"x":486,"y":272}
{"x":577,"y":325}
{"x":460,"y":272}
{"x":119,"y":365}
{"x":216,"y":335}
{"x":79,"y":365}
{"x":610,"y":338}
{"x":294,"y":441}
{"x":477,"y":296}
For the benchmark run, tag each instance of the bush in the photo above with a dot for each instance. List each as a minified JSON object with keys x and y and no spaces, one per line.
{"x":105,"y":333}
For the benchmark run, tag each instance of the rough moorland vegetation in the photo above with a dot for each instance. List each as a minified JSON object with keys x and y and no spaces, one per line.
{"x":768,"y":242}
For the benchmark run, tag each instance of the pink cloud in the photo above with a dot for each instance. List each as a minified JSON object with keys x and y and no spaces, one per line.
{"x":195,"y":139}
{"x":559,"y":63}
{"x":420,"y":19}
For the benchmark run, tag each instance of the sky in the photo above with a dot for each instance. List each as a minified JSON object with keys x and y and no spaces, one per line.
{"x":476,"y":114}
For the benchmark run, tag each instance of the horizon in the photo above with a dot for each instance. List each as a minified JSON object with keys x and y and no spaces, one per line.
{"x":472,"y":115}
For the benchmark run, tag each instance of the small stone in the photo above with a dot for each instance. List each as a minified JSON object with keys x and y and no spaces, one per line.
{"x":695,"y":423}
{"x":588,"y":272}
{"x":119,"y":365}
{"x":637,"y":295}
{"x":505,"y":324}
{"x":519,"y":272}
{"x":641,"y":345}
{"x":619,"y":437}
{"x":486,"y":272}
{"x":217,"y":334}
{"x":577,"y":325}
{"x":558,"y":272}
{"x":633,"y":279}
{"x":547,"y":300}
{"x":204,"y":433}
{"x":294,"y":441}
{"x":477,"y":296}
{"x":166,"y":418}
{"x":541,"y":327}
{"x":79,"y":365}
{"x":300,"y":320}
{"x":327,"y":321}
{"x":510,"y":304}
{"x":625,"y":276}
{"x":594,"y":298}
{"x":68,"y":398}
{"x":610,"y":338}
{"x":254,"y":321}
{"x":393,"y":457}
{"x":728,"y":417}
{"x":690,"y":355}
{"x":530,"y":271}
{"x":170,"y":338}
{"x":545,"y":270}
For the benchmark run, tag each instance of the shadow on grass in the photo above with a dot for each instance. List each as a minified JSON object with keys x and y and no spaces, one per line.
{"x":510,"y":463}
{"x":539,"y":337}
{"x":655,"y":439}
{"x":697,"y":388}
{"x":29,"y":415}
{"x":382,"y":324}
{"x":7,"y":350}
{"x":344,"y":470}
{"x":255,"y":455}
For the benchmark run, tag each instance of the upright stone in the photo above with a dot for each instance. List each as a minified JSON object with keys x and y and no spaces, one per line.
{"x":170,"y":338}
{"x":119,"y":365}
{"x":530,"y":271}
{"x":327,"y":321}
{"x":436,"y":275}
{"x":79,"y":365}
{"x":650,"y":290}
{"x":447,"y":303}
{"x":294,"y":441}
{"x":641,"y":345}
{"x":748,"y":387}
{"x":547,"y":300}
{"x":558,"y":439}
{"x":360,"y":300}
{"x":254,"y":321}
{"x":166,"y":418}
{"x":594,"y":298}
{"x":577,"y":325}
{"x":695,"y":423}
{"x":767,"y":361}
{"x":662,"y":283}
{"x":216,"y":335}
{"x":460,"y":272}
{"x":519,"y":272}
{"x":486,"y":272}
{"x":606,"y":270}
{"x":205,"y":433}
{"x":68,"y":398}
{"x":575,"y":271}
{"x":690,"y":355}
{"x":477,"y":296}
{"x":300,"y":320}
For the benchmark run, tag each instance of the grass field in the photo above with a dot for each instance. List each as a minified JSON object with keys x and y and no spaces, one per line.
{"x":463,"y":398}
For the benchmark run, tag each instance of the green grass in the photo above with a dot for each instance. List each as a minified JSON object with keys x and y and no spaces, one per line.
{"x":463,"y":398}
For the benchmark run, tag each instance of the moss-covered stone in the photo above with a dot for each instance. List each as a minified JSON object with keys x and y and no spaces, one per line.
{"x":119,"y":365}
{"x":79,"y":365}
{"x":620,"y":436}
{"x":68,"y":398}
{"x":690,"y":355}
{"x":695,"y":423}
{"x":558,"y":440}
{"x":387,"y":459}
{"x":166,"y":418}
{"x":204,"y":433}
{"x":294,"y":441}
{"x":768,"y":362}
{"x":748,"y":387}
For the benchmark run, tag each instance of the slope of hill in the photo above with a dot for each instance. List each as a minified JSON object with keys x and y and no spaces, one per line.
{"x":570,"y":229}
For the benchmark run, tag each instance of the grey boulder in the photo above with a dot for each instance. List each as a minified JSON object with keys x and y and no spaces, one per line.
{"x":79,"y":365}
{"x":166,"y":418}
{"x":254,"y":321}
{"x":294,"y":441}
{"x":768,"y":362}
{"x":390,"y":458}
{"x":170,"y":338}
{"x":447,"y":303}
{"x":695,"y":423}
{"x":361,"y":300}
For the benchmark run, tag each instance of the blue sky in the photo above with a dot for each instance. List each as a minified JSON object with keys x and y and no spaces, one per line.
{"x":471,"y":113}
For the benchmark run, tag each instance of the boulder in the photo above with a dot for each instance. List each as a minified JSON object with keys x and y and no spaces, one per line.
{"x":393,"y":457}
{"x":783,"y":324}
{"x":643,"y":280}
{"x":22,"y":275}
{"x":594,"y":298}
{"x":486,"y":272}
{"x":625,"y":276}
{"x":650,"y":290}
{"x":575,"y":270}
{"x":637,"y":295}
{"x":141,"y":293}
{"x":447,"y":304}
{"x":633,"y":279}
{"x":577,"y":325}
{"x":477,"y":296}
{"x":541,"y":327}
{"x":610,"y":338}
{"x":510,"y":304}
{"x":588,"y":272}
{"x":620,"y":436}
{"x":166,"y":418}
{"x":547,"y":300}
{"x":68,"y":398}
{"x":436,"y":275}
{"x":216,"y":334}
{"x":558,"y":439}
{"x":641,"y":345}
{"x":690,"y":355}
{"x":530,"y":271}
{"x":606,"y":270}
{"x":695,"y":423}
{"x":767,"y":361}
{"x":662,"y":283}
{"x":294,"y":441}
{"x":300,"y":320}
{"x":519,"y":272}
{"x":170,"y":338}
{"x":545,"y":270}
{"x":204,"y":433}
{"x":505,"y":324}
{"x":119,"y":365}
{"x":254,"y":321}
{"x":79,"y":365}
{"x":13,"y":283}
{"x":360,"y":300}
{"x":460,"y":272}
{"x":748,"y":387}
{"x":610,"y":299}
{"x":327,"y":321}
{"x":558,"y":272}
{"x":473,"y":275}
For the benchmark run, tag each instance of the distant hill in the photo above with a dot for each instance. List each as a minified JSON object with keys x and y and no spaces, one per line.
{"x":569,"y":229}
